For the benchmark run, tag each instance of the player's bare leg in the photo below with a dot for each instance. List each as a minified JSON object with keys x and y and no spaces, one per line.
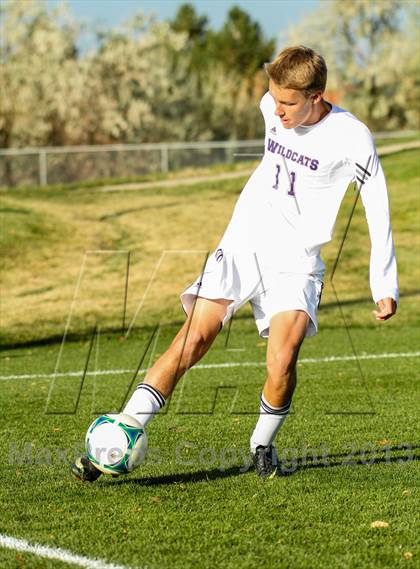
{"x":287,"y":332}
{"x":189,"y":345}
{"x":187,"y":348}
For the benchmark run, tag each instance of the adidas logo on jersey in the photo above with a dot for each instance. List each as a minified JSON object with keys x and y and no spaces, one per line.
{"x":362,"y":174}
{"x":273,"y":130}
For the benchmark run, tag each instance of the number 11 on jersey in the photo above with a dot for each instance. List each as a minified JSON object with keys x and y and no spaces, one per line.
{"x":291,"y":191}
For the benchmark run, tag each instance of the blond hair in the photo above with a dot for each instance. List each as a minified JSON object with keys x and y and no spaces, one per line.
{"x":299,"y":68}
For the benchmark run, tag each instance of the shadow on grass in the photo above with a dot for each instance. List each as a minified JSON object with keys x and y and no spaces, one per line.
{"x":363,"y":300}
{"x":122,"y":212}
{"x":358,"y":457}
{"x":182,"y":477}
{"x":6,"y":343}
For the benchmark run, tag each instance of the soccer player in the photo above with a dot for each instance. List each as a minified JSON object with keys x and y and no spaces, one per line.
{"x":270,"y":252}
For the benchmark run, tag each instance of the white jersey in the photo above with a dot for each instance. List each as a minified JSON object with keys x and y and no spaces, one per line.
{"x":289,"y":206}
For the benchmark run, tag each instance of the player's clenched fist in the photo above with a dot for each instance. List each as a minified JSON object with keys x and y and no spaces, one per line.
{"x":387,"y":307}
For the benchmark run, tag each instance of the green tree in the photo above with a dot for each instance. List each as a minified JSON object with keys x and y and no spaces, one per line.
{"x":188,"y":21}
{"x":226,"y":73}
{"x":240,"y":44}
{"x":195,"y":27}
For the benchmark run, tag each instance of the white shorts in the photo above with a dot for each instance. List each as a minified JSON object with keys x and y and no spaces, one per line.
{"x":238,"y":278}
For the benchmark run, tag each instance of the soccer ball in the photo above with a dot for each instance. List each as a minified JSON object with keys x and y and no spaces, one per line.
{"x":116,"y":444}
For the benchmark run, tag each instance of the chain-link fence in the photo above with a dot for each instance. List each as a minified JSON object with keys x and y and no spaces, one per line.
{"x":59,"y":165}
{"x":66,"y":164}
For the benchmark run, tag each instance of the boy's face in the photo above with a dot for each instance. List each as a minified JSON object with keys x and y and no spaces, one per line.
{"x":292,"y":107}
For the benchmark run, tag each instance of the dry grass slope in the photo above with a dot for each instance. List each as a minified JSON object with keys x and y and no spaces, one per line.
{"x":46,"y":234}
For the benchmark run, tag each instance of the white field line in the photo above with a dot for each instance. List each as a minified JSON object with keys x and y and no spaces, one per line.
{"x":328,"y":359}
{"x":56,"y":553}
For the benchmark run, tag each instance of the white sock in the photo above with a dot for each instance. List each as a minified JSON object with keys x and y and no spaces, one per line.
{"x":144,"y":403}
{"x":269,"y":422}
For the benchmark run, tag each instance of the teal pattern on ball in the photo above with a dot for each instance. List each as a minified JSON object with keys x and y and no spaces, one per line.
{"x":132,"y":435}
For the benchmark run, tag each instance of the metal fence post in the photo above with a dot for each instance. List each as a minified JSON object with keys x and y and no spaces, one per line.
{"x":11,"y":175}
{"x":43,"y":181}
{"x":164,"y":159}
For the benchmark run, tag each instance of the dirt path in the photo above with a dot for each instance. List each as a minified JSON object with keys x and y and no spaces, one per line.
{"x":177,"y":181}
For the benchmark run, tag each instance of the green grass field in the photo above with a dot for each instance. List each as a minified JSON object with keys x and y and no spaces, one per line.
{"x":349,"y":450}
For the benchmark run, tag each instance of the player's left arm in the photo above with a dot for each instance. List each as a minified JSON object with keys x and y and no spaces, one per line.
{"x":371,"y":182}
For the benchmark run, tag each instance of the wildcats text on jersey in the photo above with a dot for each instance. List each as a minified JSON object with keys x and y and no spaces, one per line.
{"x":277,"y":148}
